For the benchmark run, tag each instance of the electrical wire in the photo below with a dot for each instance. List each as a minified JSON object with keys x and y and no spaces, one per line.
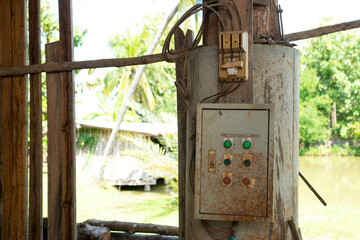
{"x":184,"y":88}
{"x":216,"y":232}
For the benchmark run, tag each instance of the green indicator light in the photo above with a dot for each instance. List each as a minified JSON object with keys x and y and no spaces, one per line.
{"x":247,"y":144}
{"x":227,"y":162}
{"x":247,"y":162}
{"x":227,"y":144}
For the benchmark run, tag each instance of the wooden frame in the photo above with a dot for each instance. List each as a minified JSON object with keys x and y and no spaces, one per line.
{"x":13,"y":114}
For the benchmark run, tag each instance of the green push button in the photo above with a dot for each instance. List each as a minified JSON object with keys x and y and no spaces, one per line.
{"x":247,"y":144}
{"x":227,"y":144}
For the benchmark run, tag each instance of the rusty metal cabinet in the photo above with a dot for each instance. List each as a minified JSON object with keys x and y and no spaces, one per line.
{"x":234,"y":162}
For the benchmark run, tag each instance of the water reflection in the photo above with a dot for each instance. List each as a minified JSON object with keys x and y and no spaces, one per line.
{"x":336,"y":179}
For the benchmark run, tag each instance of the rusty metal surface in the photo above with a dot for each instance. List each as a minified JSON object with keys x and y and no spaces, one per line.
{"x":237,"y":200}
{"x":276,"y":81}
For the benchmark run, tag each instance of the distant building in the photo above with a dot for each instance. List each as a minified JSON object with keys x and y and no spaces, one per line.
{"x":121,"y":169}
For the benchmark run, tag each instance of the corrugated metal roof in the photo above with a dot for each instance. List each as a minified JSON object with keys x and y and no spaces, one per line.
{"x":154,"y":129}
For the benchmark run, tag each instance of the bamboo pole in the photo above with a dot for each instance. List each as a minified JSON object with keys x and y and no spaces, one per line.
{"x":35,"y":194}
{"x":322,"y":31}
{"x":70,"y":65}
{"x":153,"y":58}
{"x":135,"y":227}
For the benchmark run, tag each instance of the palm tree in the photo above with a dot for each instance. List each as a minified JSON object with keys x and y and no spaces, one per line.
{"x":136,"y":80}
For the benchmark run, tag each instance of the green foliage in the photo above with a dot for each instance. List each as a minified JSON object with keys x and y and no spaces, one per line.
{"x":155,"y":97}
{"x":88,"y":139}
{"x":312,"y":125}
{"x":335,"y":150}
{"x":335,"y":61}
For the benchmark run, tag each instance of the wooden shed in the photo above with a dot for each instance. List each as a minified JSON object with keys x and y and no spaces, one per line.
{"x":121,"y":168}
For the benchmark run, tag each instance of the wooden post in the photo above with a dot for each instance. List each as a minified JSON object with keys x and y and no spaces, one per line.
{"x":13,"y":121}
{"x":181,"y":42}
{"x":181,"y":118}
{"x":55,"y":148}
{"x":68,"y":206}
{"x":36,"y":161}
{"x":61,"y":208}
{"x":243,"y":94}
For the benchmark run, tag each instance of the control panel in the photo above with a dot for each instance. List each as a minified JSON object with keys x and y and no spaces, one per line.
{"x":234,"y":162}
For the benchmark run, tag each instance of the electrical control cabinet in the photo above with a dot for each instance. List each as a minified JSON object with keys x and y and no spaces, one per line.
{"x":234,"y":162}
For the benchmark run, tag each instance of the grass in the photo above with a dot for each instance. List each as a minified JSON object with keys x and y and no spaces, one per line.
{"x":104,"y":202}
{"x":330,"y":223}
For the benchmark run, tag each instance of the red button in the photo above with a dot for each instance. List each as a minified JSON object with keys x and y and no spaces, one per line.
{"x":227,"y":180}
{"x":246,"y":181}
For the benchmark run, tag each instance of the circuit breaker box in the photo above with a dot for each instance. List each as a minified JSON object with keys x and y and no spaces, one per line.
{"x":234,"y":162}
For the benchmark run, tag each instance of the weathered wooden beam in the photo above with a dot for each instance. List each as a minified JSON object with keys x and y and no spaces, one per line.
{"x":266,"y":21}
{"x":127,"y":236}
{"x":181,"y":120}
{"x":13,"y":122}
{"x":67,"y":137}
{"x":69,"y":65}
{"x":182,"y":41}
{"x":274,"y":20}
{"x":317,"y":32}
{"x":135,"y":227}
{"x":262,"y":2}
{"x":36,"y":161}
{"x":210,"y":34}
{"x":55,"y":148}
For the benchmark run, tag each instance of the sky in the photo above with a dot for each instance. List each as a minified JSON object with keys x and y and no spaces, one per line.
{"x":106,"y":18}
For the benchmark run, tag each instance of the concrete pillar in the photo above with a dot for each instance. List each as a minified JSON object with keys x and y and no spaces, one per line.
{"x":276,"y":81}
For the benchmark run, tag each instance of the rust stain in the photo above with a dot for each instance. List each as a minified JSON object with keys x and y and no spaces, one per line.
{"x":267,"y":91}
{"x":281,"y":148}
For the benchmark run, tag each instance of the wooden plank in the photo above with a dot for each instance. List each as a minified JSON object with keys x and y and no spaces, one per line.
{"x":68,"y":224}
{"x":243,"y":94}
{"x":55,"y":148}
{"x":266,"y":20}
{"x":69,"y":65}
{"x":317,"y":32}
{"x":13,"y":122}
{"x":36,"y":161}
{"x":274,"y":20}
{"x":210,"y":34}
{"x":262,"y":21}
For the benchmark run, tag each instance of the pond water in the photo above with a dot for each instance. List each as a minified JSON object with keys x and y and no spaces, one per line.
{"x":337,"y":180}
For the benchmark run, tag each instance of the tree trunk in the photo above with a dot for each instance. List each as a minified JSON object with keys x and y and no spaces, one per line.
{"x":131,"y":92}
